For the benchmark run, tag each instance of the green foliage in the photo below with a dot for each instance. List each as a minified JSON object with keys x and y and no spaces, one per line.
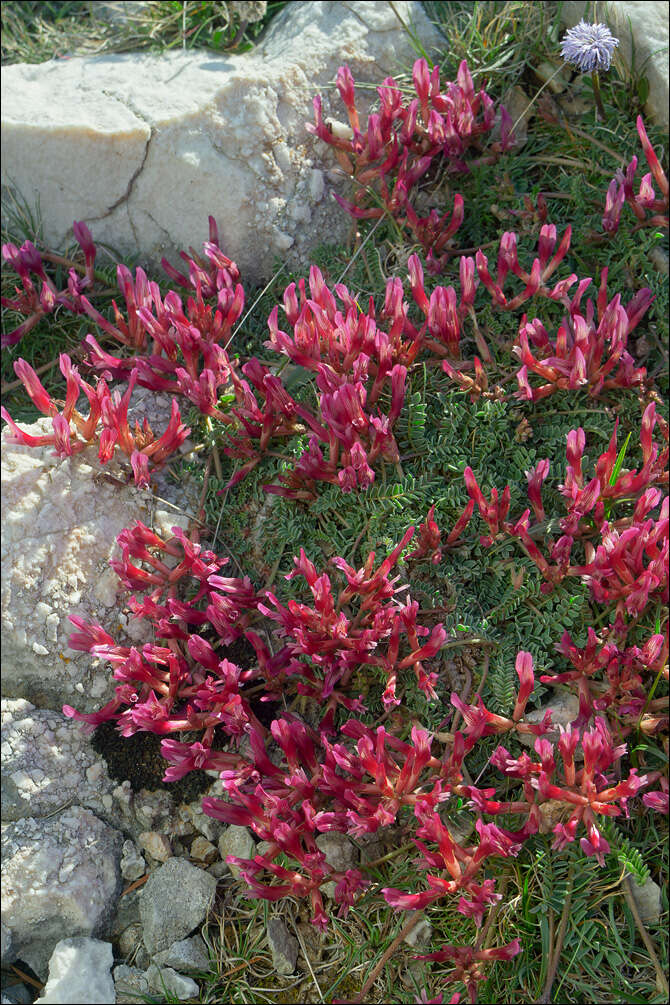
{"x":491,"y":595}
{"x":629,"y":856}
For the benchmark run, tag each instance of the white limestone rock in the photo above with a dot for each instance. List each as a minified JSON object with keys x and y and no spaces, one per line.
{"x":59,"y":527}
{"x":145,"y":147}
{"x":60,"y":878}
{"x":47,"y":761}
{"x":641,"y":27}
{"x":8,"y":954}
{"x":80,"y":971}
{"x":647,"y":898}
{"x":420,"y":935}
{"x":117,"y":11}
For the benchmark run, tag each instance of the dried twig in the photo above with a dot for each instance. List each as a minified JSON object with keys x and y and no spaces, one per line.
{"x":409,"y":925}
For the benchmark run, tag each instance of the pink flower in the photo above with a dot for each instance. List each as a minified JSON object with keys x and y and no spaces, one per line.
{"x":536,"y":477}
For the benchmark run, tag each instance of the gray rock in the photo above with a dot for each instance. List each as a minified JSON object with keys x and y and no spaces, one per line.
{"x":168,"y":981}
{"x":47,"y":762}
{"x":18,"y":994}
{"x":205,"y":825}
{"x":152,"y":810}
{"x":647,"y":899}
{"x":127,"y":912}
{"x":60,"y":878}
{"x":188,"y":956}
{"x":283,"y":946}
{"x":168,"y":917}
{"x":659,"y":259}
{"x":420,"y":935}
{"x":518,"y":105}
{"x":239,"y":842}
{"x":80,"y":971}
{"x":641,"y":28}
{"x":105,"y":138}
{"x":8,"y":956}
{"x":131,"y":946}
{"x":340,"y":853}
{"x":130,"y":984}
{"x":551,"y":74}
{"x":564,"y":708}
{"x":218,"y":869}
{"x":132,"y":863}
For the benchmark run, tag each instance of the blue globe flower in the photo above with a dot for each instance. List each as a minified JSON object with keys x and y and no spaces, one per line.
{"x":589,"y":46}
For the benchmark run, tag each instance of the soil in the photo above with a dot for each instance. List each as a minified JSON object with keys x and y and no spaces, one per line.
{"x":138,"y":758}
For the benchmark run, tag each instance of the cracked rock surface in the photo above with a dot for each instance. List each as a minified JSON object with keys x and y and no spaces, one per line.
{"x":60,"y":520}
{"x":144,"y":147}
{"x":58,"y":875}
{"x":47,"y":762}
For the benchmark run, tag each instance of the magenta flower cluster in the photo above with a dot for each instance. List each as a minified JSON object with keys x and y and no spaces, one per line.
{"x":294,"y":777}
{"x":401,"y":141}
{"x":292,"y":781}
{"x":628,"y":567}
{"x":36,"y":301}
{"x":106,"y":422}
{"x":646,"y":200}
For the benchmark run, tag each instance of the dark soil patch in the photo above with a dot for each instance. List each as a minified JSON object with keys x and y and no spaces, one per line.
{"x":138,"y":759}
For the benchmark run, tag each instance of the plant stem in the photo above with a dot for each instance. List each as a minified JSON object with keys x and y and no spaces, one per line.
{"x":18,"y":383}
{"x":388,"y":857}
{"x":596,"y":94}
{"x":661,"y":979}
{"x":388,"y":952}
{"x":545,"y":997}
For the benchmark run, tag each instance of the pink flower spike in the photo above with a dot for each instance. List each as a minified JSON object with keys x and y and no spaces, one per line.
{"x":40,"y":398}
{"x":140,"y":465}
{"x":536,"y":477}
{"x":88,"y":636}
{"x":416,"y":283}
{"x":17,"y":435}
{"x":84,"y":239}
{"x":62,"y":436}
{"x":108,"y":438}
{"x":659,"y":801}
{"x":474,"y":490}
{"x":614,"y":201}
{"x":652,"y":159}
{"x":461,"y":523}
{"x":524,"y":669}
{"x":467,"y":275}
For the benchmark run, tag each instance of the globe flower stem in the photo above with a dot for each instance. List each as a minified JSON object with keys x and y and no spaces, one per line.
{"x":600,"y":111}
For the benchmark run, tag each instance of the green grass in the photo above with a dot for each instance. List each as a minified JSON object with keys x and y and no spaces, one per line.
{"x":570,"y":158}
{"x":33,"y":32}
